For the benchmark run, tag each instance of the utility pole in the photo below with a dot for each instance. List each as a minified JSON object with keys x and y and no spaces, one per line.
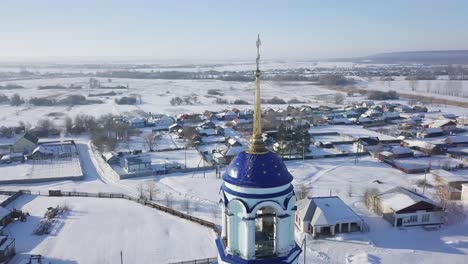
{"x":425,"y":179}
{"x":121,"y":257}
{"x":304,"y":245}
{"x":303,"y":153}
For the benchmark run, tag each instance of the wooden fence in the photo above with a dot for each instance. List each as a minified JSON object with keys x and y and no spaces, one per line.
{"x":144,"y":202}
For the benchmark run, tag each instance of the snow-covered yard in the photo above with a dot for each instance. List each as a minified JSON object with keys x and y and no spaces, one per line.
{"x":97,"y":230}
{"x":41,"y":170}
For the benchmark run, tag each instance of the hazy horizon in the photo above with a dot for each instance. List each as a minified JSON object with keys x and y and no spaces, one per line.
{"x":226,"y":31}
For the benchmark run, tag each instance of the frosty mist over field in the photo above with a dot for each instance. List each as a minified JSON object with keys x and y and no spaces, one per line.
{"x":233,"y":132}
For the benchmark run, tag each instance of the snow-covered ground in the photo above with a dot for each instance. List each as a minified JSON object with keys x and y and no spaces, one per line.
{"x":41,"y":170}
{"x":155,"y":95}
{"x":339,"y":176}
{"x":435,"y":88}
{"x":97,"y":230}
{"x":102,"y":228}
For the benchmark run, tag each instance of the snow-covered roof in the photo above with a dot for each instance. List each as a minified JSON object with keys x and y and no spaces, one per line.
{"x":400,"y":198}
{"x":138,"y":159}
{"x":441,"y":123}
{"x":432,"y":130}
{"x":451,"y":176}
{"x":207,"y":131}
{"x":420,"y":144}
{"x":213,"y":139}
{"x":233,"y":151}
{"x":400,"y":150}
{"x":456,"y":139}
{"x":108,"y":155}
{"x":324,"y":211}
{"x":56,"y":148}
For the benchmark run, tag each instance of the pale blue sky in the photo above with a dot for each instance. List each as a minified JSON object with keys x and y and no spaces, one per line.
{"x":198,"y":29}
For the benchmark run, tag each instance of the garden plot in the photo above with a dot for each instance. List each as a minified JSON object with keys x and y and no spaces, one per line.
{"x":163,"y":141}
{"x":161,"y":159}
{"x":41,"y":170}
{"x":105,"y":227}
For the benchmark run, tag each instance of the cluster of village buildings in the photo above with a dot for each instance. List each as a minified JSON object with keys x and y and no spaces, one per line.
{"x":410,"y":139}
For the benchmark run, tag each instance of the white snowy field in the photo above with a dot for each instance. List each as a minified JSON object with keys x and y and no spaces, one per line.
{"x":97,"y":230}
{"x":435,"y":88}
{"x":155,"y":95}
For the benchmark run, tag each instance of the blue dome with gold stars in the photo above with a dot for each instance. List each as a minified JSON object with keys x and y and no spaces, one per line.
{"x":266,"y":170}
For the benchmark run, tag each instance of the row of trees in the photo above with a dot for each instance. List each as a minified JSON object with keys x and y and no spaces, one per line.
{"x":187,"y":100}
{"x":74,"y":99}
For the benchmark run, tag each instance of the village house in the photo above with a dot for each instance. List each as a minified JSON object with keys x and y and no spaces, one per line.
{"x":448,"y":116}
{"x":451,"y":182}
{"x":111,"y":158}
{"x":366,"y":143}
{"x":219,"y":158}
{"x":456,"y":141}
{"x":174,"y":127}
{"x":136,"y":122}
{"x":54,"y":149}
{"x":326,"y":216}
{"x":447,"y":125}
{"x":431,"y":132}
{"x":464,"y":194}
{"x":226,"y":115}
{"x":402,"y":207}
{"x":423,"y":146}
{"x":242,"y":124}
{"x":12,"y":157}
{"x":137,"y":163}
{"x":161,"y":122}
{"x":25,"y":144}
{"x":397,"y":152}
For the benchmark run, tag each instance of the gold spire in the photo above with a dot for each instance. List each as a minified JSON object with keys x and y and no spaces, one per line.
{"x":256,"y":145}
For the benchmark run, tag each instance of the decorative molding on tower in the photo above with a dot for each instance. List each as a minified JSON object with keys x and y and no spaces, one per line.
{"x":256,"y":144}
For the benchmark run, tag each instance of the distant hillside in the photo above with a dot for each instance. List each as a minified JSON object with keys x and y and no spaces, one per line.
{"x":430,"y":57}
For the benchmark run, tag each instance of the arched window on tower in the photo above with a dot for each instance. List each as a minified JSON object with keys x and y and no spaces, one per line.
{"x":265,"y":232}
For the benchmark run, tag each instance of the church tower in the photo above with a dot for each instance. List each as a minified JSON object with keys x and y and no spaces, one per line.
{"x":258,"y":202}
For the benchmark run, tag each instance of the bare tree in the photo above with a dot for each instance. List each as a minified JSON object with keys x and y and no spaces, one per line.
{"x":151,"y":189}
{"x":370,"y":200}
{"x":150,"y":141}
{"x":338,"y":98}
{"x":141,"y":190}
{"x":302,"y":192}
{"x":413,"y":82}
{"x":350,"y":190}
{"x":215,"y":212}
{"x":378,"y":150}
{"x":169,"y":200}
{"x":186,"y":205}
{"x":452,"y":211}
